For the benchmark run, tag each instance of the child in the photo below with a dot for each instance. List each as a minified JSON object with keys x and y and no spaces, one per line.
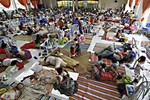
{"x":72,"y":51}
{"x":77,"y":49}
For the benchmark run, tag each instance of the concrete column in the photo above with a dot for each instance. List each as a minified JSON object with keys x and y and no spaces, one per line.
{"x":76,"y":4}
{"x":99,"y":4}
{"x":50,"y":3}
{"x":14,"y":3}
{"x":73,"y":9}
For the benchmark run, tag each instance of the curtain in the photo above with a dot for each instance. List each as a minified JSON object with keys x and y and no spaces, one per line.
{"x":23,"y":2}
{"x":130,"y":3}
{"x":5,"y":3}
{"x":35,"y":3}
{"x":137,"y":2}
{"x":146,"y":4}
{"x":142,"y":19}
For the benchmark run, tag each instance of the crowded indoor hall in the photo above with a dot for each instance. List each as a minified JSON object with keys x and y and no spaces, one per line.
{"x":74,"y":50}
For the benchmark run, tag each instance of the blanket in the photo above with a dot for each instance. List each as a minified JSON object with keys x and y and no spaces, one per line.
{"x":107,"y":62}
{"x":30,"y":45}
{"x":42,"y":86}
{"x":67,"y":59}
{"x":94,"y":90}
{"x":83,"y":60}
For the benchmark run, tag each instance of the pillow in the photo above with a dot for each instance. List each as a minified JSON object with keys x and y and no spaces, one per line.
{"x":37,"y":68}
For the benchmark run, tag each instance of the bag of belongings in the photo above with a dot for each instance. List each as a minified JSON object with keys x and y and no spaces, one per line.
{"x":25,"y":55}
{"x":68,"y":87}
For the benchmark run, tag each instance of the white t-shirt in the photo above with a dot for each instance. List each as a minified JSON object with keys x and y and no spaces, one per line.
{"x":7,"y":61}
{"x":58,"y":62}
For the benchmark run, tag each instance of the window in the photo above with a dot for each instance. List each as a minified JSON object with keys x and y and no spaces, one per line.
{"x":64,"y":3}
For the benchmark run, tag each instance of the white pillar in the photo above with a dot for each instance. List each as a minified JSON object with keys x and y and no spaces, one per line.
{"x":76,"y":4}
{"x":99,"y":4}
{"x":14,"y":3}
{"x":73,"y":10}
{"x":41,"y":2}
{"x":51,"y":1}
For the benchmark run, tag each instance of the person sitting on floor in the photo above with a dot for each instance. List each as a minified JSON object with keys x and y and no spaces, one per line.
{"x":57,"y":62}
{"x":38,"y":40}
{"x":139,"y":62}
{"x":21,"y":27}
{"x":63,"y":74}
{"x":81,"y":38}
{"x":30,"y":31}
{"x":72,"y":51}
{"x":120,"y":37}
{"x":10,"y":62}
{"x":77,"y":49}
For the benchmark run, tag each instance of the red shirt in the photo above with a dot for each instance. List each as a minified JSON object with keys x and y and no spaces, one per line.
{"x":72,"y":52}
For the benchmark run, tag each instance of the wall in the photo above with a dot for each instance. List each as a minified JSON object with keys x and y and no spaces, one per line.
{"x":148,"y":20}
{"x":139,"y":14}
{"x":49,"y":3}
{"x":112,"y":4}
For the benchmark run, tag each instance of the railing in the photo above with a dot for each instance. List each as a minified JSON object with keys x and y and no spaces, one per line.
{"x":142,"y":90}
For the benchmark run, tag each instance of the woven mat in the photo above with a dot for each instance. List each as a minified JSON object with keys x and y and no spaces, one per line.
{"x":83,"y":59}
{"x":95,"y":90}
{"x":23,"y":37}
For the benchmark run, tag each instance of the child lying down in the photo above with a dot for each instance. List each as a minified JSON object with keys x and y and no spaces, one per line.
{"x":34,"y":86}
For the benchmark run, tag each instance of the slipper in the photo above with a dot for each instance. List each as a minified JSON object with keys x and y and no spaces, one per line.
{"x":35,"y":57}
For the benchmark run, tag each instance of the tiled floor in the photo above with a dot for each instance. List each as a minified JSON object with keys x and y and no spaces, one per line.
{"x":96,"y":39}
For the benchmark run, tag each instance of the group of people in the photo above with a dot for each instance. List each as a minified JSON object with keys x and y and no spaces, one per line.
{"x":36,"y":85}
{"x":47,"y":20}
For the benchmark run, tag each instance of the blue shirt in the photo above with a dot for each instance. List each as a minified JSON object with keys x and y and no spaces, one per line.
{"x":98,"y":62}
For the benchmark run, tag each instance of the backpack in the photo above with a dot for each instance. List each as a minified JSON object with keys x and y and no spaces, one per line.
{"x":69,"y":87}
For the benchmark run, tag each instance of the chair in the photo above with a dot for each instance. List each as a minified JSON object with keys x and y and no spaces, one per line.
{"x":145,"y":27}
{"x":142,"y":90}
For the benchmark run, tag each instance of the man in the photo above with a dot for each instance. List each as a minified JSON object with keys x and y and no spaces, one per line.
{"x":57,"y":62}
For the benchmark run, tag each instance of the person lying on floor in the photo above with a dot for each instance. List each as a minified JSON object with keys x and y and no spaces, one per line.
{"x":120,"y":37}
{"x":34,"y":86}
{"x":77,"y":49}
{"x":103,"y":72}
{"x":120,"y":53}
{"x":34,"y":44}
{"x":57,"y":62}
